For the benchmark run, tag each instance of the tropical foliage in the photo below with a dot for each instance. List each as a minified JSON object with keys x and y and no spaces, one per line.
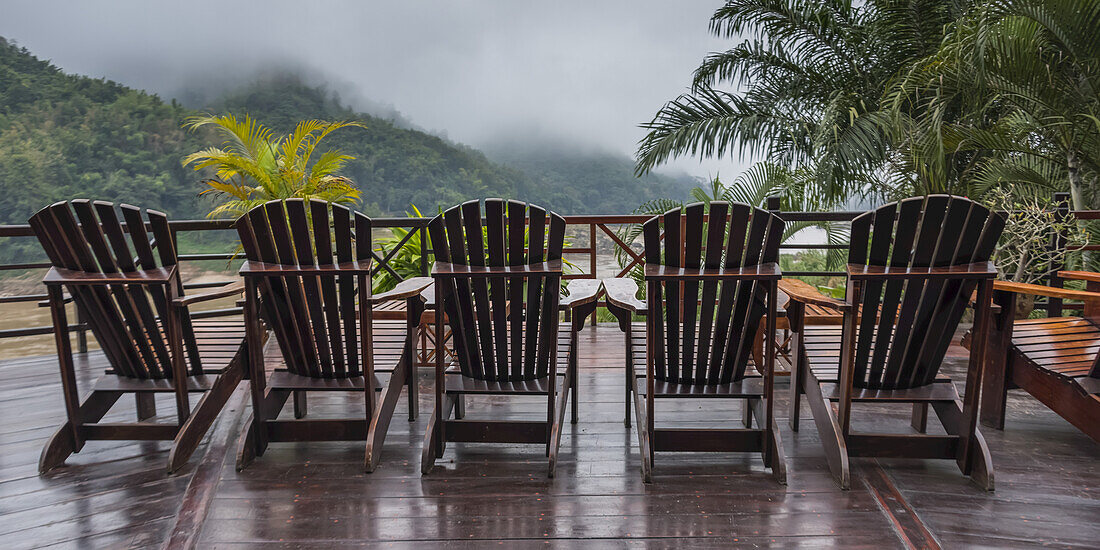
{"x":752,"y":187}
{"x":809,"y":88}
{"x":1011,"y":96}
{"x":253,"y":167}
{"x":891,"y":98}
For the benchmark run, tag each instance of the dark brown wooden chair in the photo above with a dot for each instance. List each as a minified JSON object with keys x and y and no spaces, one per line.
{"x":498,"y":283}
{"x":126,"y":285}
{"x":308,"y":277}
{"x":1054,"y":359}
{"x":917,"y":263}
{"x":707,"y":290}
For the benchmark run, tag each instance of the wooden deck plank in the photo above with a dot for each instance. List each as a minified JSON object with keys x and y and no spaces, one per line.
{"x":117,"y":494}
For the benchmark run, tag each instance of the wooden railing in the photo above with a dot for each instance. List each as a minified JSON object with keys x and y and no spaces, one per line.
{"x":584,"y":256}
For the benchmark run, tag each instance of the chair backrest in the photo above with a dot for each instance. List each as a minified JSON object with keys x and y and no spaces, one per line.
{"x":314,"y":317}
{"x":504,"y":327}
{"x":90,"y":237}
{"x":903,"y":346}
{"x":704,"y":335}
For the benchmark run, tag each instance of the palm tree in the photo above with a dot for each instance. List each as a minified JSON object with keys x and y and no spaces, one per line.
{"x":754,"y":186}
{"x":810,"y":84}
{"x":1014,"y":90}
{"x":253,"y":167}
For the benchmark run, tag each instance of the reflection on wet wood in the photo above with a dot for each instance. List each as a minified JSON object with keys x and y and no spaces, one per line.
{"x":117,"y":495}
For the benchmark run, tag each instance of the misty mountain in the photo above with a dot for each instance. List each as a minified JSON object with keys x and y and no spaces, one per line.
{"x":579,"y":180}
{"x":66,"y":136}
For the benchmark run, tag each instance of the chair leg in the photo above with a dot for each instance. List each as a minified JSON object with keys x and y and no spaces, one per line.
{"x":919,"y":420}
{"x":828,"y":427}
{"x":146,"y":403}
{"x":247,"y":445}
{"x":413,"y":390}
{"x":644,"y":443}
{"x":434,"y":443}
{"x":62,"y":444}
{"x":380,"y":420}
{"x":778,"y":462}
{"x":629,"y":375}
{"x":980,"y":469}
{"x":575,"y":405}
{"x":207,"y":410}
{"x":995,"y":382}
{"x":746,"y":413}
{"x":300,"y":405}
{"x":460,"y":406}
{"x":798,"y":377}
{"x":559,"y":420}
{"x":253,"y":442}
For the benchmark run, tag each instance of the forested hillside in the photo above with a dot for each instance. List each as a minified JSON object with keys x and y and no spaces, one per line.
{"x":573,"y":180}
{"x":67,"y":136}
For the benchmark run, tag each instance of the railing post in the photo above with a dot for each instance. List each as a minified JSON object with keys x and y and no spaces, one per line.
{"x":771,"y":204}
{"x":423,"y":251}
{"x":1057,"y":241}
{"x":592,"y":258}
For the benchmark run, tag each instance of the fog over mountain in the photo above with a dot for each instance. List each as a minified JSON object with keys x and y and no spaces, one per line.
{"x":478,"y":72}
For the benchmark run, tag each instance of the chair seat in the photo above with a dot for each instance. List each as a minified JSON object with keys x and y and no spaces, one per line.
{"x":389,"y":343}
{"x":458,"y":383}
{"x":750,"y":386}
{"x":284,"y":380}
{"x":823,"y":353}
{"x":219,"y":340}
{"x":1065,"y":347}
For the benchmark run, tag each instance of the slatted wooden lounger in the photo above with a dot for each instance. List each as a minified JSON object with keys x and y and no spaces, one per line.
{"x":699,"y":348}
{"x":920,"y":260}
{"x":308,"y":277}
{"x":126,"y":284}
{"x":1056,"y":360}
{"x":498,"y":282}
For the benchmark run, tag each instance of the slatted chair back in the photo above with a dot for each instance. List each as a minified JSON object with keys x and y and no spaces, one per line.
{"x":314,"y":316}
{"x":904,"y":345}
{"x":91,"y":237}
{"x":504,"y":327}
{"x":704,"y":332}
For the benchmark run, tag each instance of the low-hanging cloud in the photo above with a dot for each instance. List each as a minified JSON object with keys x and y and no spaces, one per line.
{"x":583,"y":72}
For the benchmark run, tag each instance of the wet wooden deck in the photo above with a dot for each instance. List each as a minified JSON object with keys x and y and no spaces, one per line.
{"x":115,"y":495}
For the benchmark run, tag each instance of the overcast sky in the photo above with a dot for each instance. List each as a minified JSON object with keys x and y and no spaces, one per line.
{"x":584,"y":71}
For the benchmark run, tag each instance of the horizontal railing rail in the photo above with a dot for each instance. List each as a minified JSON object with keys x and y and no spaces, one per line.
{"x":595,"y":226}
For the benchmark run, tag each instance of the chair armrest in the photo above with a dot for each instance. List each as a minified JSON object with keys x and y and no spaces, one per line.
{"x":623,"y":294}
{"x":757,"y":272}
{"x":230,"y":289}
{"x":157,"y":276}
{"x":1048,"y":291}
{"x":1089,"y":276}
{"x":428,"y":295}
{"x":444,"y":269}
{"x":581,"y":292}
{"x":979,"y":270}
{"x":354,"y":267}
{"x":803,"y":292}
{"x":404,"y":290}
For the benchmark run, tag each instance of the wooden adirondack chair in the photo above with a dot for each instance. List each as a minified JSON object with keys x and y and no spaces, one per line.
{"x":917,"y":263}
{"x":707,"y":290}
{"x":499,"y":288}
{"x":126,"y":285}
{"x":308,"y":277}
{"x":1054,"y":359}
